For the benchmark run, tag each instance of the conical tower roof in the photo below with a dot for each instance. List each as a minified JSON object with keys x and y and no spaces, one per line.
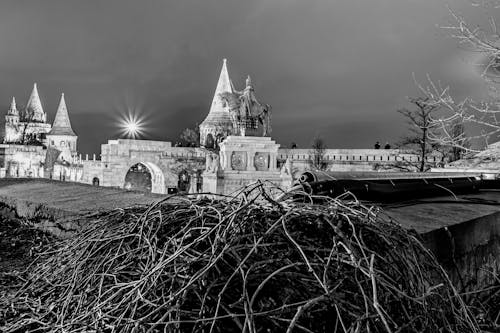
{"x":218,"y":115}
{"x":62,"y":125}
{"x":13,"y":108}
{"x":34,"y":109}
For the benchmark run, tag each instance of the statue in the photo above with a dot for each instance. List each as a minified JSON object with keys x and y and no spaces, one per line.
{"x":232,"y":103}
{"x":246,"y":111}
{"x":212,"y":164}
{"x":208,"y":162}
{"x":286,"y":169}
{"x":215,"y":164}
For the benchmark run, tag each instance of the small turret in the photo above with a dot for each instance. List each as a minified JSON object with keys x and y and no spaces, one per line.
{"x":13,"y":108}
{"x":12,"y":116}
{"x":10,"y":131}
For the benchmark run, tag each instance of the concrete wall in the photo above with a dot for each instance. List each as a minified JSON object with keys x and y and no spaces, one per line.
{"x":470,"y":251}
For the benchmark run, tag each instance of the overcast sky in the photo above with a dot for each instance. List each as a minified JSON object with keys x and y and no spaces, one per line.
{"x":335,"y":68}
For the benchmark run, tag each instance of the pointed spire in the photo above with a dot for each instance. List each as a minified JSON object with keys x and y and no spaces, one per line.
{"x":13,"y":108}
{"x":218,"y":115}
{"x":34,"y":109}
{"x":62,"y":125}
{"x":224,"y":84}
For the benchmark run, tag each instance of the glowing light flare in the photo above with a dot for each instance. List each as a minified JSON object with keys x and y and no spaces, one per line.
{"x":132,"y":126}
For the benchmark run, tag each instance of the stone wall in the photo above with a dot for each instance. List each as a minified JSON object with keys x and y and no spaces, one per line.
{"x":166,"y":163}
{"x":22,"y":161}
{"x":351,"y":159}
{"x":163,"y":161}
{"x":92,"y":172}
{"x":14,"y":132}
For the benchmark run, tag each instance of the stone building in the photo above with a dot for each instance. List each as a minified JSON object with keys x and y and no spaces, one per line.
{"x":34,"y":148}
{"x":28,"y":126}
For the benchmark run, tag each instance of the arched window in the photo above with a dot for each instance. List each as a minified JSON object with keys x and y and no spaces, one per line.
{"x":209,"y":142}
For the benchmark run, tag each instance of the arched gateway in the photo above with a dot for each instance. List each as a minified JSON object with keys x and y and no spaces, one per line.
{"x":145,"y":176}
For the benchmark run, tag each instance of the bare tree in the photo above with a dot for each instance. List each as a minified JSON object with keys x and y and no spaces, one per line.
{"x":317,"y":154}
{"x":483,"y":114}
{"x":420,"y":127}
{"x":455,"y":152}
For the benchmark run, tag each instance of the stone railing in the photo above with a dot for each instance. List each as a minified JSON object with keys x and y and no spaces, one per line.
{"x":359,"y":158}
{"x":181,"y":154}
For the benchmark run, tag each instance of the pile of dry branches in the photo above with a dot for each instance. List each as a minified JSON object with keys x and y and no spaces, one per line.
{"x":240,"y":265}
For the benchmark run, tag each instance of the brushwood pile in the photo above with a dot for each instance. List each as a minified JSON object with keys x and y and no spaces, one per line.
{"x":187,"y":264}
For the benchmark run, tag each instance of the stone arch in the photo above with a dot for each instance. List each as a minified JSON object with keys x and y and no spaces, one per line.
{"x":157,"y":179}
{"x":95,"y":181}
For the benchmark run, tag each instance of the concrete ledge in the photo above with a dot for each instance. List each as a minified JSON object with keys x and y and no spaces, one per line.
{"x":59,"y":207}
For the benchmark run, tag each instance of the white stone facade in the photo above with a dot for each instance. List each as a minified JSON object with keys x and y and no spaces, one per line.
{"x":245,"y":160}
{"x":28,"y":126}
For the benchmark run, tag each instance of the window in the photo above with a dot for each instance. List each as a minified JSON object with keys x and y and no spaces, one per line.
{"x":252,"y":122}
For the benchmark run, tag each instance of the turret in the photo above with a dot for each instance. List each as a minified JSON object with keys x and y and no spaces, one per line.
{"x":34,"y":110}
{"x":12,"y":116}
{"x":217,"y":124}
{"x":10,"y":131}
{"x":61,"y":136}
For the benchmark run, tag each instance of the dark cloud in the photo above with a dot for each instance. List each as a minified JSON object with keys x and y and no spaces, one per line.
{"x":339,"y":68}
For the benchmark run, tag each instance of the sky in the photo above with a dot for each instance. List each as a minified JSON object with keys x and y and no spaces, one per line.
{"x":338,"y":69}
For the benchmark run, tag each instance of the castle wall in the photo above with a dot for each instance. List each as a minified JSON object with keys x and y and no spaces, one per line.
{"x":68,"y":172}
{"x":21,"y":161}
{"x":117,"y":156}
{"x":352,"y":159}
{"x":14,"y":131}
{"x":92,"y":170}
